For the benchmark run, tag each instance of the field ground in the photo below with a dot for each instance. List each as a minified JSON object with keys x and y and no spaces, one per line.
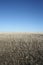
{"x":21,"y":49}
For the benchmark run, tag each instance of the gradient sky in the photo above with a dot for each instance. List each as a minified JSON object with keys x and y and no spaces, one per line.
{"x":21,"y":15}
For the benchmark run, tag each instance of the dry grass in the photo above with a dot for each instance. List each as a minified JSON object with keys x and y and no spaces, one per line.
{"x":21,"y":49}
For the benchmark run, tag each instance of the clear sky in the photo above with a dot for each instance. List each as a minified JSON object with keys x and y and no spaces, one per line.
{"x":21,"y":15}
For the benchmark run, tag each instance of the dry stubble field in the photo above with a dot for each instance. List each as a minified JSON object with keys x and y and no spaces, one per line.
{"x":21,"y":49}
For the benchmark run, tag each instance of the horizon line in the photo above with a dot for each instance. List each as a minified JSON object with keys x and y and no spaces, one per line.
{"x":22,"y":32}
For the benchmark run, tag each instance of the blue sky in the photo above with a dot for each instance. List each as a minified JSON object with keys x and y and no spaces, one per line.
{"x":21,"y":15}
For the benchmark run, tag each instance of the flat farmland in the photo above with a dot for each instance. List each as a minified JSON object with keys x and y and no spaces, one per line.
{"x":21,"y":48}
